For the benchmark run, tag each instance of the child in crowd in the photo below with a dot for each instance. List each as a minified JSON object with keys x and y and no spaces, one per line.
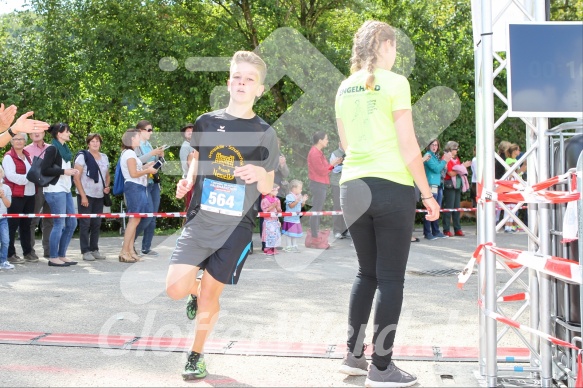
{"x":292,"y":228}
{"x":271,"y":234}
{"x":5,"y":201}
{"x":512,"y":153}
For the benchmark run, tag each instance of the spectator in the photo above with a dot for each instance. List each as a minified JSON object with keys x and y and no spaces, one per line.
{"x":292,"y":227}
{"x":5,"y":200}
{"x":474,"y":189}
{"x":512,"y":153}
{"x":186,"y":149}
{"x":271,"y":232}
{"x":433,"y":168}
{"x":135,"y":190}
{"x":57,"y":163}
{"x":451,"y":193}
{"x":281,"y":172}
{"x":186,"y":157}
{"x":92,"y":183}
{"x":16,"y":165}
{"x":37,"y":148}
{"x":339,"y":226}
{"x":499,"y":169}
{"x":319,"y":174}
{"x":147,"y":154}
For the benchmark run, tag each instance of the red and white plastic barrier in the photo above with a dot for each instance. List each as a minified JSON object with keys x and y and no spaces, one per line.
{"x":566,"y":270}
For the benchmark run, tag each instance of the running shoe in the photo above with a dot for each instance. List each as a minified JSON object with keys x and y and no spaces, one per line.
{"x":191,"y":306}
{"x":195,"y":367}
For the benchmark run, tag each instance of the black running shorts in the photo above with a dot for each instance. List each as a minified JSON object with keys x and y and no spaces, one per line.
{"x":220,"y":250}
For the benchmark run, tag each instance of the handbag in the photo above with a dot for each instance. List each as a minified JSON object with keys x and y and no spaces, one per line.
{"x":106,"y":197}
{"x":35,"y":176}
{"x":448,"y":184}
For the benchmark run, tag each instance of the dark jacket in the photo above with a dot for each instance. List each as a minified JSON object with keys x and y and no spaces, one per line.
{"x":51,"y":164}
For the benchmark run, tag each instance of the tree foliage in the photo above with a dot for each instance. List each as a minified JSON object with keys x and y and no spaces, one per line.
{"x":96,"y":64}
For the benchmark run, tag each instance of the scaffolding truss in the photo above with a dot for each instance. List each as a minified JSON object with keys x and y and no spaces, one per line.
{"x":540,"y":310}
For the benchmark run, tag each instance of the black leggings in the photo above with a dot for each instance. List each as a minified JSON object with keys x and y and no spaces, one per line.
{"x":379,"y":214}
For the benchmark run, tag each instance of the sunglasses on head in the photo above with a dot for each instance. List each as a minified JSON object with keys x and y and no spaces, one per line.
{"x":61,"y":125}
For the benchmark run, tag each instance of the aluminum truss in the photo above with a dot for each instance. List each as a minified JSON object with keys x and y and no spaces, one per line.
{"x":539,"y":286}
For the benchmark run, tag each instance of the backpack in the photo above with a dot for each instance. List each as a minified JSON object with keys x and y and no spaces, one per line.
{"x":118,"y":179}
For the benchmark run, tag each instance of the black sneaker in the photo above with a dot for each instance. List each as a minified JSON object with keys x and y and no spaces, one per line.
{"x":195,"y":367}
{"x":191,"y":306}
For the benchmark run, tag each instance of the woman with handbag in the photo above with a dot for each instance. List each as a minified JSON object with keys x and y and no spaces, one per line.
{"x":452,"y":191}
{"x":135,"y":190}
{"x":92,"y":184}
{"x":16,"y":165}
{"x":57,"y":164}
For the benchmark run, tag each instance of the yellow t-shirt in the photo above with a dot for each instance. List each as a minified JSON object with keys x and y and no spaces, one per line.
{"x":367,"y":116}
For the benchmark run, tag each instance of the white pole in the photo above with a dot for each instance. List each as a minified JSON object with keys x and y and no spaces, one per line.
{"x":488,"y":180}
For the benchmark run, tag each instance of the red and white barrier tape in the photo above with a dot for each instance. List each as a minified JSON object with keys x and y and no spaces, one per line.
{"x":183,"y":214}
{"x":305,"y":214}
{"x":566,"y":270}
{"x":515,"y":191}
{"x":97,"y":215}
{"x":514,"y":297}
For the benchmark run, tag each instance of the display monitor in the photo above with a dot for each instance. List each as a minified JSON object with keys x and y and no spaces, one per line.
{"x":545,"y":69}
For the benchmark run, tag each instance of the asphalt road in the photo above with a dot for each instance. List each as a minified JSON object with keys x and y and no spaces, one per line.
{"x":284,"y":324}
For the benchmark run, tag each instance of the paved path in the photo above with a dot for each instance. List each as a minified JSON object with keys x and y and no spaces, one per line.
{"x":283,"y":325}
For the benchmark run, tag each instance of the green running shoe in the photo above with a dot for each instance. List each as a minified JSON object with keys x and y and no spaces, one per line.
{"x":191,"y":306}
{"x":195,"y":367}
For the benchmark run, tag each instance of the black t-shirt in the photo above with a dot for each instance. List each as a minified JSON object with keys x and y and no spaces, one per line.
{"x":224,"y":142}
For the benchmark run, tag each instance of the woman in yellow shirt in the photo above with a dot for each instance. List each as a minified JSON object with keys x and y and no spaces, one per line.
{"x":375,"y":124}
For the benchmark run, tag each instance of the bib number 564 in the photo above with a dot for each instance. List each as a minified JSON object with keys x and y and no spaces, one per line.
{"x":221,"y":199}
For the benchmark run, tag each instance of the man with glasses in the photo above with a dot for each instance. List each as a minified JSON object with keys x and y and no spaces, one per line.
{"x":147,"y":153}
